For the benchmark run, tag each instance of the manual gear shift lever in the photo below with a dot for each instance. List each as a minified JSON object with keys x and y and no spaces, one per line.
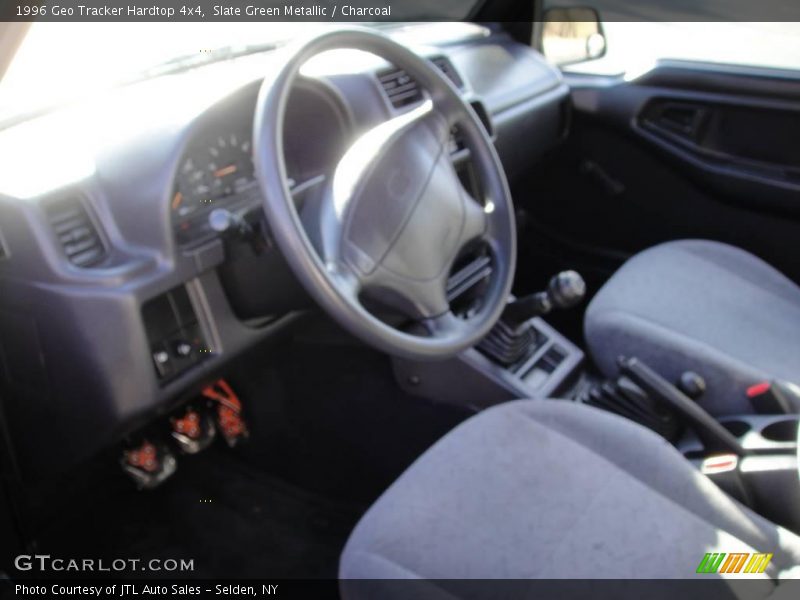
{"x":565,"y":290}
{"x":512,"y":339}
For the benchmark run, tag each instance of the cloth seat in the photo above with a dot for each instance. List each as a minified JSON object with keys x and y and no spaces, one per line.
{"x":550,"y":489}
{"x":700,"y":306}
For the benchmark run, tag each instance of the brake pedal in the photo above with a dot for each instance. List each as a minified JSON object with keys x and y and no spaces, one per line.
{"x":148,"y":464}
{"x":228,"y":411}
{"x":193,"y":430}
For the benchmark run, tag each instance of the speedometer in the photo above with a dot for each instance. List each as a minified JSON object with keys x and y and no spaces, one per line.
{"x":219,"y":167}
{"x":231,"y":164}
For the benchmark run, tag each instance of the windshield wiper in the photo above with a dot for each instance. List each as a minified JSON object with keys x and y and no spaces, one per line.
{"x":187,"y":62}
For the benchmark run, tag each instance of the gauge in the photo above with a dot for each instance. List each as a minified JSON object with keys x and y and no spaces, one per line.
{"x":231,"y":165}
{"x":213,"y":171}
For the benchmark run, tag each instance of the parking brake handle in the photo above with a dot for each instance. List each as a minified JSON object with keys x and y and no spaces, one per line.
{"x":714,"y":436}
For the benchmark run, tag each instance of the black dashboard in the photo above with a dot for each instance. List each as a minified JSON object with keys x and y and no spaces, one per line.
{"x":110,"y":266}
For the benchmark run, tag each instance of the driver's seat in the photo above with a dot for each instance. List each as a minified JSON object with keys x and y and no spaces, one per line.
{"x":551,"y":489}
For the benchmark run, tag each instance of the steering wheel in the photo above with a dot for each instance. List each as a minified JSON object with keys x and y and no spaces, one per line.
{"x":394,"y":217}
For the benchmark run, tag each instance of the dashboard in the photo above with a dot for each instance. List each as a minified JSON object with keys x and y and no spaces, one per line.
{"x":118,"y":299}
{"x":216,"y":167}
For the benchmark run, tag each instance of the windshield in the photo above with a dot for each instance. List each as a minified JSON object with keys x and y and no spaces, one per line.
{"x":59,"y":63}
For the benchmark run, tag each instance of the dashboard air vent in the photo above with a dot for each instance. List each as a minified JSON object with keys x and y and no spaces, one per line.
{"x":403,"y":91}
{"x":76,"y":232}
{"x":446,"y":67}
{"x":400,"y":87}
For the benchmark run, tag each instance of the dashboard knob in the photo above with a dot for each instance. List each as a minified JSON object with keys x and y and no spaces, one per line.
{"x":221,"y":220}
{"x":182,"y":349}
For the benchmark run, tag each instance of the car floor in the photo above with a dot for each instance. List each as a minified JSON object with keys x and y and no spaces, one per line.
{"x":231,"y":519}
{"x":330,"y":430}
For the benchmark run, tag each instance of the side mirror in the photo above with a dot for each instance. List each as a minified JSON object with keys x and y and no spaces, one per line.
{"x":572,"y":35}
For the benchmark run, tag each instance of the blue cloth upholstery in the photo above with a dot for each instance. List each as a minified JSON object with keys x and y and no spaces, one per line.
{"x":550,"y":489}
{"x":700,"y":306}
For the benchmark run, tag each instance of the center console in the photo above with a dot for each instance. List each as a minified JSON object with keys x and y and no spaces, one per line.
{"x":472,"y":379}
{"x":767,"y":477}
{"x":754,"y":458}
{"x":522,"y":357}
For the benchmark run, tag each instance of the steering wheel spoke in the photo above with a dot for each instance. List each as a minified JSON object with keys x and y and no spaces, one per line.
{"x":348,"y":280}
{"x":417,"y":299}
{"x":445,"y":325}
{"x":476,"y":219}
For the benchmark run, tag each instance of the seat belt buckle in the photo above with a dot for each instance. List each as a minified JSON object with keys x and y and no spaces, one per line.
{"x":723,"y":469}
{"x":232,"y":425}
{"x":774,"y":397}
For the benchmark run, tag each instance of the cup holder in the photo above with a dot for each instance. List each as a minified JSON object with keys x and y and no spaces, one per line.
{"x":737,"y":428}
{"x":781,"y":431}
{"x":760,"y":434}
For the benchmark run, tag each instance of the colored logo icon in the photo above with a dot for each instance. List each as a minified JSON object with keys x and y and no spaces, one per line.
{"x":737,"y":562}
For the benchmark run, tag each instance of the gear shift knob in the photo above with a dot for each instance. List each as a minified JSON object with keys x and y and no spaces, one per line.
{"x":512,"y":338}
{"x":565,"y":290}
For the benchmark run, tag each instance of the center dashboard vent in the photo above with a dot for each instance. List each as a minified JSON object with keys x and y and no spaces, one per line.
{"x":76,"y":232}
{"x":446,"y":67}
{"x":403,"y":91}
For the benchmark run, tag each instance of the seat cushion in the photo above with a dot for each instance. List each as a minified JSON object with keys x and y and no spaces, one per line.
{"x":551,"y":489}
{"x":700,"y":306}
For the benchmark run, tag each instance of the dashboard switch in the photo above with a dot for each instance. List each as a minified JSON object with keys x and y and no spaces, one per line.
{"x":162,"y":361}
{"x":173,"y":333}
{"x":183,"y":349}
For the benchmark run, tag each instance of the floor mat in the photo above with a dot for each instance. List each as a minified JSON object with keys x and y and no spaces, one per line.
{"x":331,"y":418}
{"x":232,"y":519}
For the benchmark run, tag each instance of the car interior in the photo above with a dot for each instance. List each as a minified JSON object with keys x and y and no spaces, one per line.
{"x":409,"y":301}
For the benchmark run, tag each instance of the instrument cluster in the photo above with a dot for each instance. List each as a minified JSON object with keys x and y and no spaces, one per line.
{"x":217,"y":170}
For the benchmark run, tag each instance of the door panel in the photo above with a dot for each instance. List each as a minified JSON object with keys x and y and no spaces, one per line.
{"x":688,"y":150}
